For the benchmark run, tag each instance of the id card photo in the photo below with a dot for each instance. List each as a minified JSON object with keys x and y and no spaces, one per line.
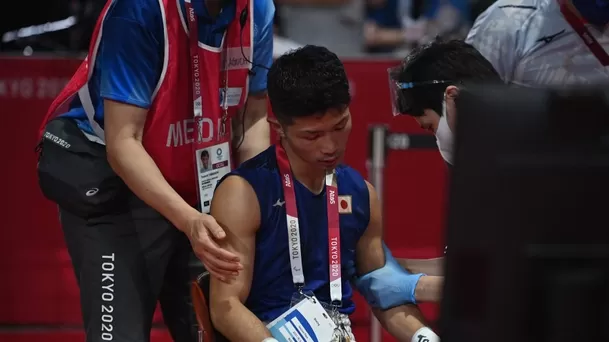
{"x":213,"y":163}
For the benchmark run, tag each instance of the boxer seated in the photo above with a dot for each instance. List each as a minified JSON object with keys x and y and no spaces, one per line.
{"x":306,"y":227}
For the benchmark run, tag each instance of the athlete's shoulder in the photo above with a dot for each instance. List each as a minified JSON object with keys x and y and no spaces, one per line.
{"x":263,"y":160}
{"x":346,"y":170}
{"x":258,"y":171}
{"x":351,"y":177}
{"x":261,"y":175}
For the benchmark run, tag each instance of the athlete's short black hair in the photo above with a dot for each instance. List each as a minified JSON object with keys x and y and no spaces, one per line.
{"x":452,"y":61}
{"x":307,"y":81}
{"x":204,"y":153}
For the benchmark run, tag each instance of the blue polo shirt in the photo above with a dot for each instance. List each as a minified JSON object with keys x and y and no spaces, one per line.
{"x":130,"y":54}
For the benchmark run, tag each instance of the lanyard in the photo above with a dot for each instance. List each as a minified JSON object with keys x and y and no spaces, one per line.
{"x":579,"y":26}
{"x":334,"y":264}
{"x":195,"y":60}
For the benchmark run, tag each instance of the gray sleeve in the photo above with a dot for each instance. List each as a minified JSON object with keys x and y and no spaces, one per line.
{"x":498,"y":34}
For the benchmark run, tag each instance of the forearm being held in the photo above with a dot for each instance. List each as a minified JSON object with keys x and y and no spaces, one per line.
{"x":401,"y":322}
{"x":388,"y":288}
{"x":429,"y":289}
{"x":431,"y":267}
{"x":231,"y":318}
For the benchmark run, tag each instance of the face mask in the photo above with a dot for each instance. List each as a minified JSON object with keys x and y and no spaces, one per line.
{"x":444,"y":136}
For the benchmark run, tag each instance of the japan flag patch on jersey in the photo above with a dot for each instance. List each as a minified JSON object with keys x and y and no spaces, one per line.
{"x":344,"y":204}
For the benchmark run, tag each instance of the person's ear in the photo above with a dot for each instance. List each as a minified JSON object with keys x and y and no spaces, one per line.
{"x":451,"y":92}
{"x":276,"y":126}
{"x":450,"y":96}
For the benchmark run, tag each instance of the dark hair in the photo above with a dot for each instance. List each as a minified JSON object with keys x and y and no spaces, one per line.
{"x":452,"y":61}
{"x":204,"y":153}
{"x":307,"y":81}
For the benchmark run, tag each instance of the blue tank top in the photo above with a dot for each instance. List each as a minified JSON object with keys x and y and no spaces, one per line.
{"x":272,"y":287}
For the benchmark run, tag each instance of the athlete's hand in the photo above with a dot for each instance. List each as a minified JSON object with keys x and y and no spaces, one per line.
{"x":220,"y":263}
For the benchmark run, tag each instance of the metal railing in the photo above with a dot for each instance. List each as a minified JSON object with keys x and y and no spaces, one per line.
{"x":381,"y":142}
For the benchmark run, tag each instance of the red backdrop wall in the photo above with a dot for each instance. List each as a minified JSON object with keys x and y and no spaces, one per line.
{"x":37,"y":284}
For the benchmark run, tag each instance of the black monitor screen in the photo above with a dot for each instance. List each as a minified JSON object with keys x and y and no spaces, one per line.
{"x":528,"y":221}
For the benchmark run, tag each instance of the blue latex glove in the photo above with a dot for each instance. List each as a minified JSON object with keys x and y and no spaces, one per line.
{"x":389,"y":286}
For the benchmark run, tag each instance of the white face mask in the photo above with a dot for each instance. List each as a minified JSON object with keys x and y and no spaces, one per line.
{"x":444,"y":136}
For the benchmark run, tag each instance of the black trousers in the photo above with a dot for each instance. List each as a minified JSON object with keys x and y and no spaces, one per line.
{"x":124,"y":263}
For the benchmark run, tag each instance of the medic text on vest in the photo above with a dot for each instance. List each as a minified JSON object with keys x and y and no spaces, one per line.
{"x":183,"y":132}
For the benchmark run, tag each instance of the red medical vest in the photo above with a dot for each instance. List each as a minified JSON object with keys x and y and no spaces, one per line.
{"x":169,"y":131}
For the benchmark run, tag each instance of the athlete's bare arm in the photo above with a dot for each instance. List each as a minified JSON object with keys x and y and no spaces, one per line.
{"x":251,"y":130}
{"x":432,"y":267}
{"x":235,"y":207}
{"x":403,"y":321}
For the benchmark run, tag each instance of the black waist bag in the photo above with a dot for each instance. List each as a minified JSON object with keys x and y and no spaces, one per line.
{"x":74,"y":172}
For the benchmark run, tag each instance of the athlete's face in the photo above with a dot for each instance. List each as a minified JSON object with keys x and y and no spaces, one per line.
{"x":205,"y":160}
{"x":321,"y":139}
